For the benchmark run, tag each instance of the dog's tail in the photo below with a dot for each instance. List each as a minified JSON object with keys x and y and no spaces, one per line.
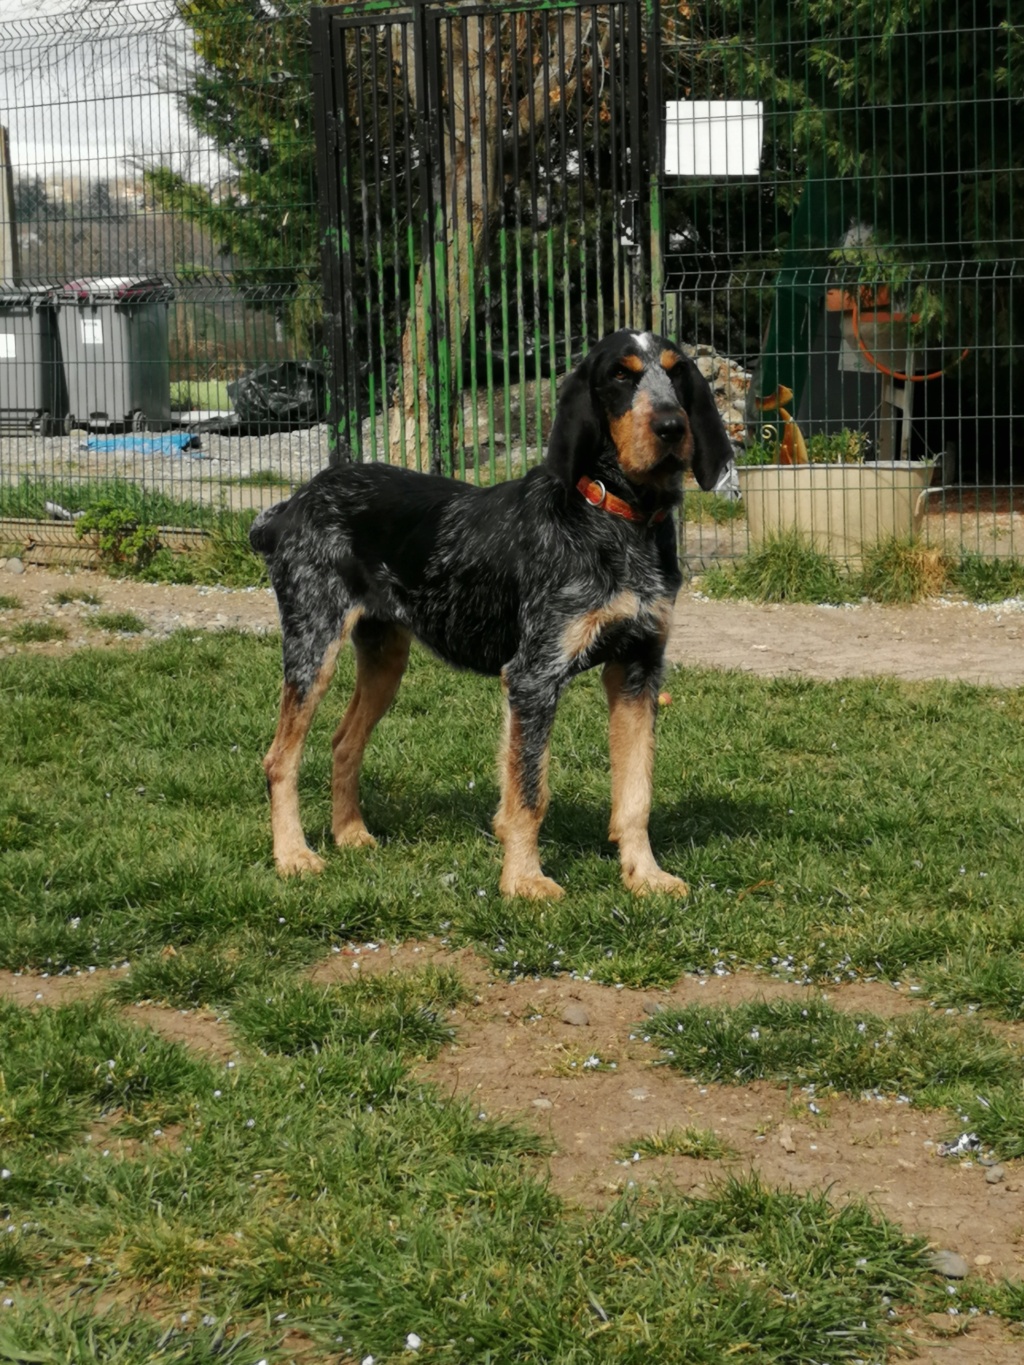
{"x":266,"y":530}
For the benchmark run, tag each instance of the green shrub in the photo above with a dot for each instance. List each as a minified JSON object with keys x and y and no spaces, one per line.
{"x":987,"y":580}
{"x":124,"y":541}
{"x":786,"y":568}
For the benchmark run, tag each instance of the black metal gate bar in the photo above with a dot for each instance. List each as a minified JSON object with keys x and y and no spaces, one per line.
{"x":332,"y":251}
{"x":652,"y":85}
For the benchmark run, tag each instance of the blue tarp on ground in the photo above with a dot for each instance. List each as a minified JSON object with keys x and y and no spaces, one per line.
{"x":168,"y":443}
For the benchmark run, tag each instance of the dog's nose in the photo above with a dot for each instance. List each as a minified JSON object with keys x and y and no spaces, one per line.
{"x":669,"y":427}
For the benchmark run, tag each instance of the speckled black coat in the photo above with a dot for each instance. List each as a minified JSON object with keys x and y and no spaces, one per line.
{"x":526,"y":579}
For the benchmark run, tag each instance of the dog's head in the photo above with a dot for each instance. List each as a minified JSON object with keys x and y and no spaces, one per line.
{"x":638,"y":398}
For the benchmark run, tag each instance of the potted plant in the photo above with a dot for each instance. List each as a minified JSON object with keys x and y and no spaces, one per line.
{"x":829,"y":493}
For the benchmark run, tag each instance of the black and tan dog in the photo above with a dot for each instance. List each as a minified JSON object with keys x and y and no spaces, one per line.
{"x":535,"y":581}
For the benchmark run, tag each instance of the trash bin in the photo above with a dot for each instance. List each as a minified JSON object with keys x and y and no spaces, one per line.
{"x":114,"y":338}
{"x":32,"y":388}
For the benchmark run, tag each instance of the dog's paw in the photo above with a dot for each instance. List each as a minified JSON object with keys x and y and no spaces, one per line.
{"x":533,"y":888}
{"x":298,"y":861}
{"x":354,"y":836}
{"x":655,"y":881}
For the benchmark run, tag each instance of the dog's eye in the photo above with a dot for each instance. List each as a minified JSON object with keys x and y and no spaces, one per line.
{"x":626,"y":373}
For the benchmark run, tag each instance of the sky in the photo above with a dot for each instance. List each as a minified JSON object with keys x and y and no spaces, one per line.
{"x":90,"y":93}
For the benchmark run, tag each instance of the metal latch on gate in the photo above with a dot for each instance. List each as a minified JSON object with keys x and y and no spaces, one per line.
{"x":627,"y":222}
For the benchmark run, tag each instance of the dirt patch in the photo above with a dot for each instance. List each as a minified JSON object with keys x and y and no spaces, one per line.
{"x":517,"y":1057}
{"x":161,"y":607}
{"x":944,"y":639}
{"x":28,"y":988}
{"x":937,"y":640}
{"x":201,"y":1029}
{"x":985,"y":521}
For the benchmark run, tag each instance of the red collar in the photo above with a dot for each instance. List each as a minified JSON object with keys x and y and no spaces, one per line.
{"x":598,"y":496}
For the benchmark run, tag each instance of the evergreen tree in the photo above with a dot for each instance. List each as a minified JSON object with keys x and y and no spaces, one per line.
{"x":250,"y":94}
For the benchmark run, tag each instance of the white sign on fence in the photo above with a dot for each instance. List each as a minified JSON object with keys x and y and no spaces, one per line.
{"x":713,"y":137}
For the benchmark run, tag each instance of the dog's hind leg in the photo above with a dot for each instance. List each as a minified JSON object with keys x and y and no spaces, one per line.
{"x":306,"y":681}
{"x":631,"y":712}
{"x":382,"y":652}
{"x":529,"y":714}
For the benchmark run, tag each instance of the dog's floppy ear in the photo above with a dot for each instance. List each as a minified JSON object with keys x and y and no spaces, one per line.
{"x":577,"y":429}
{"x":712,"y":449}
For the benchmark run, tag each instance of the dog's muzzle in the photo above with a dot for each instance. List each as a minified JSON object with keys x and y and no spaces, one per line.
{"x":669,"y":427}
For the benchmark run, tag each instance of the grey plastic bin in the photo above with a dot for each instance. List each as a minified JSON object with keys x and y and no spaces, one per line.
{"x":114,"y":337}
{"x":32,"y":388}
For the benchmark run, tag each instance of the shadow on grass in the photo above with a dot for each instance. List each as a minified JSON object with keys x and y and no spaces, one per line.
{"x":420,"y":810}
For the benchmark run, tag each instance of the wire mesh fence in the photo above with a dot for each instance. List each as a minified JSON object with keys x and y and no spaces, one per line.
{"x":823,"y":200}
{"x":165,"y":250}
{"x":843,"y":219}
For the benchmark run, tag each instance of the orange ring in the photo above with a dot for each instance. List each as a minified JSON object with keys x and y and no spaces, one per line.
{"x":893,"y":374}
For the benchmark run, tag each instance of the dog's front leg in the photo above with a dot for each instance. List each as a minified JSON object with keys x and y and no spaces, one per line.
{"x":632,"y":706}
{"x":529,"y":714}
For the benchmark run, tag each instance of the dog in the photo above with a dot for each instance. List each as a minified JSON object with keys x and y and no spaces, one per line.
{"x":533,"y":581}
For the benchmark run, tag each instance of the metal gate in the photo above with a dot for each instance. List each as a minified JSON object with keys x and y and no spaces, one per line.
{"x":483,"y":180}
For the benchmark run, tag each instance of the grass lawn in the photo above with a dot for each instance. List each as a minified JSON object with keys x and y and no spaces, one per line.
{"x":317,"y":1200}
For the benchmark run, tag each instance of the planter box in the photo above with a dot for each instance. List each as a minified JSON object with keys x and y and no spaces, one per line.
{"x":839,"y":508}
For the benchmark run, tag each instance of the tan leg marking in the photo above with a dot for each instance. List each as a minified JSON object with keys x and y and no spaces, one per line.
{"x":581,"y":633}
{"x":281,"y":765}
{"x":379,"y":672}
{"x":517,"y":824}
{"x":631,"y":746}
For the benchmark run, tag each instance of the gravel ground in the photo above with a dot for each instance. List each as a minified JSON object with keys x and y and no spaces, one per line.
{"x":941,"y":639}
{"x":193,"y":475}
{"x":295,"y":456}
{"x":208,"y":473}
